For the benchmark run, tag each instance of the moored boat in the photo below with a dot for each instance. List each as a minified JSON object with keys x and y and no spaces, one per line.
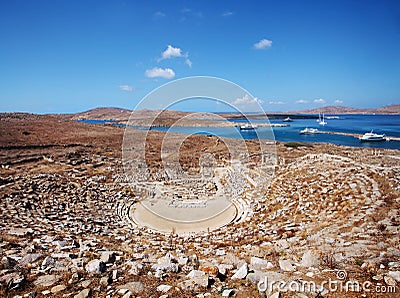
{"x":322,"y":121}
{"x":248,"y":126}
{"x":309,"y":131}
{"x":373,"y":137}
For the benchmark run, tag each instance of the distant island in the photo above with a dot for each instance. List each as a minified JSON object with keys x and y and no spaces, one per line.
{"x":390,"y":109}
{"x":120,"y":114}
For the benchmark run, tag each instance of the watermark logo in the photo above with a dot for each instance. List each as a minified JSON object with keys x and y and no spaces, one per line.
{"x":339,"y":285}
{"x":182,"y":185}
{"x":341,"y":274}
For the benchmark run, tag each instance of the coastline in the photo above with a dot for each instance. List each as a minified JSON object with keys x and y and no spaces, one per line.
{"x":112,"y":121}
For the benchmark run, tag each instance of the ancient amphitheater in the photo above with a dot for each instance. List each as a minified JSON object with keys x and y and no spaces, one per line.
{"x":303,"y":191}
{"x":190,"y":207}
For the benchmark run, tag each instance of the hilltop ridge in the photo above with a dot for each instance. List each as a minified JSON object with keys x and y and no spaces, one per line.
{"x":105,"y":113}
{"x":390,"y":109}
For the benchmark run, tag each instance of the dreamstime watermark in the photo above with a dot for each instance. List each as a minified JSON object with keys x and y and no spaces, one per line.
{"x":340,"y":284}
{"x":176,"y":192}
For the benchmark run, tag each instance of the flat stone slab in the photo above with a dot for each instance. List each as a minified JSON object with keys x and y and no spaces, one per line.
{"x":46,"y":280}
{"x":135,"y":287}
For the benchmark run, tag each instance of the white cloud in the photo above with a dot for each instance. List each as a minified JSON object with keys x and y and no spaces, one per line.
{"x":157,"y":72}
{"x":320,"y":100}
{"x":159,"y":14}
{"x":247,"y":100}
{"x":301,"y":101}
{"x":262,"y":44}
{"x":338,"y":101}
{"x":171,"y":52}
{"x":188,"y":11}
{"x":279,"y":102}
{"x":227,"y":14}
{"x":188,"y":62}
{"x":125,"y":88}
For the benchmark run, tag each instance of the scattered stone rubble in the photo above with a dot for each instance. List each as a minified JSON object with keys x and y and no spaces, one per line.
{"x":65,"y":234}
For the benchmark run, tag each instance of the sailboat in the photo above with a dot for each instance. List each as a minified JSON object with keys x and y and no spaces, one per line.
{"x":322,"y":121}
{"x":319,"y":118}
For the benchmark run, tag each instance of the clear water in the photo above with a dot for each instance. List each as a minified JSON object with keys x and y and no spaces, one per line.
{"x":355,"y":124}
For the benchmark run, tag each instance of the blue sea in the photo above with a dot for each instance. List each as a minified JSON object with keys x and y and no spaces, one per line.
{"x":355,"y":124}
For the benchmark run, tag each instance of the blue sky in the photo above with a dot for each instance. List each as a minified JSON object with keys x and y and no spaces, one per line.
{"x":69,"y":56}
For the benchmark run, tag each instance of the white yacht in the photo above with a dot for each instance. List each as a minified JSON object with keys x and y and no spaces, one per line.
{"x":373,"y":137}
{"x":288,"y":119}
{"x":309,"y":131}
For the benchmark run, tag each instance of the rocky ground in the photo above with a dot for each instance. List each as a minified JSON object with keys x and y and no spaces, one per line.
{"x":329,"y":219}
